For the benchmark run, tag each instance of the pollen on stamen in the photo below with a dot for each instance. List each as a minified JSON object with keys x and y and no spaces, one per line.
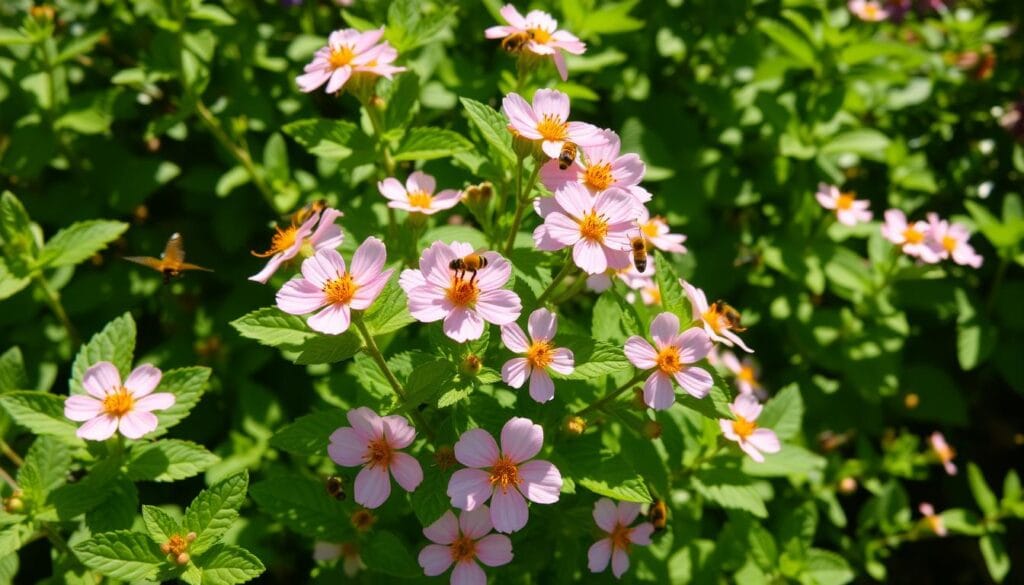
{"x":845,"y":201}
{"x":913,"y":236}
{"x":505,"y":474}
{"x":594,"y":227}
{"x":463,"y":549}
{"x":540,"y":354}
{"x":341,"y":56}
{"x":462,"y":292}
{"x":743,"y":427}
{"x":118,"y":403}
{"x":341,"y":290}
{"x":378,"y":453}
{"x":420,"y":199}
{"x":668,"y":360}
{"x":553,"y":128}
{"x":281,"y":241}
{"x":599,"y":177}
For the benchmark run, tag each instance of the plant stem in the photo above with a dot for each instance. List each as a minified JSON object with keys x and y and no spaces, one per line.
{"x":567,"y":268}
{"x":53,"y":300}
{"x":387,"y":163}
{"x":7,"y":478}
{"x":522,"y":201}
{"x":11,"y":453}
{"x":239,"y":153}
{"x":600,"y":402}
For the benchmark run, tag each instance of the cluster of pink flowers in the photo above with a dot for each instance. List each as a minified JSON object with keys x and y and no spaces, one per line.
{"x":931,"y":241}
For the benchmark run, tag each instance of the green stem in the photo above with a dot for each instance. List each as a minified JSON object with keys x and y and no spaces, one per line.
{"x":240,"y":154}
{"x":53,"y":300}
{"x":522,"y":202}
{"x":387,"y":163}
{"x":613,"y":394}
{"x":574,"y":289}
{"x":567,"y":269}
{"x":7,"y":478}
{"x":11,"y":453}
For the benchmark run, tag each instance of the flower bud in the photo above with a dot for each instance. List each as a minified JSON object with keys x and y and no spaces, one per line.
{"x":847,"y":485}
{"x":362,"y":520}
{"x":574,"y":426}
{"x":471,"y":365}
{"x":638,"y":399}
{"x":42,"y":13}
{"x":444,"y":457}
{"x":911,"y":401}
{"x":165,"y":548}
{"x":377,"y":102}
{"x":486,"y":190}
{"x":191,"y":536}
{"x":14,"y":504}
{"x":652,"y":429}
{"x":523,"y":147}
{"x":182,"y":559}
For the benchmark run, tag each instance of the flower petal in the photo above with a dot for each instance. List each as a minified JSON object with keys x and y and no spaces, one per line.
{"x":398,"y":432}
{"x":521,"y":439}
{"x":696,"y":381}
{"x":468,"y":573}
{"x":641,"y":534}
{"x":368,"y":424}
{"x":332,"y":319}
{"x":469,"y":488}
{"x":765,"y":440}
{"x":606,"y":514}
{"x":347,"y":448}
{"x":81,"y":408}
{"x":300,"y":297}
{"x":494,"y":550}
{"x":368,"y":260}
{"x":599,"y":554}
{"x":664,"y":329}
{"x":100,"y":379}
{"x":515,"y":372}
{"x":563,"y":361}
{"x":444,"y":530}
{"x":626,"y":512}
{"x":373,"y":486}
{"x":143,"y":380}
{"x":435,"y":559}
{"x":476,"y":448}
{"x":499,"y":306}
{"x":620,"y":562}
{"x":542,"y":388}
{"x":476,"y":523}
{"x":588,"y":255}
{"x":640,"y":353}
{"x":100,"y":428}
{"x":406,"y":470}
{"x":508,"y":511}
{"x":543,"y":325}
{"x":137,"y":423}
{"x":158,"y":401}
{"x":462,"y":324}
{"x":542,"y":482}
{"x":514,"y":339}
{"x":658,"y":393}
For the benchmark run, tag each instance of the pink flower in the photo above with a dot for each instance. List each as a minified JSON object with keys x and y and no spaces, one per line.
{"x":349,"y":52}
{"x":548,"y":120}
{"x":849,"y":211}
{"x":348,"y":552}
{"x":670,"y":358}
{"x":912,"y":237}
{"x":112,"y":406}
{"x":615,"y":520}
{"x":542,"y":33}
{"x":374,"y":442}
{"x":718,"y":318}
{"x":753,"y":440}
{"x":325,"y":282}
{"x":657,"y":233}
{"x":287,"y":243}
{"x":596,"y":228}
{"x":540,"y":353}
{"x":943,"y":451}
{"x":600,"y":168}
{"x":868,"y":10}
{"x":746,"y":372}
{"x":464,"y":542}
{"x":417,"y":196}
{"x":950,"y":241}
{"x":934,"y":521}
{"x":437,"y":292}
{"x":504,"y":477}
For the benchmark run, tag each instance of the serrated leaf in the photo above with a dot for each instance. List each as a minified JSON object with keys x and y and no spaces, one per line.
{"x":74,"y":499}
{"x":493,"y":127}
{"x":714,"y":406}
{"x":214,"y":510}
{"x":187,"y":385}
{"x":390,"y":312}
{"x":790,"y":41}
{"x":865,"y":142}
{"x":304,"y":506}
{"x":227,"y":564}
{"x":117,"y":510}
{"x":168,"y":460}
{"x":79,"y":242}
{"x":783,"y":413}
{"x":40,"y":412}
{"x":159,"y":524}
{"x":428,"y":143}
{"x":44,"y":469}
{"x":115,"y":344}
{"x":328,"y":349}
{"x":10,"y":284}
{"x":673,"y":296}
{"x":595,"y":358}
{"x":430,"y":499}
{"x":604,"y":473}
{"x":324,"y":138}
{"x":309,"y":435}
{"x":729,"y":488}
{"x":791,"y":460}
{"x":400,"y":99}
{"x":386,"y":553}
{"x":426,"y":382}
{"x":12,"y":370}
{"x":827,"y":568}
{"x":272,"y":326}
{"x":121,"y":555}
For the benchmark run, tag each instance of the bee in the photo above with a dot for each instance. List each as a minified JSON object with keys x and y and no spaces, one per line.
{"x":171,"y":263}
{"x":469,"y":263}
{"x":335,"y":487}
{"x":638,"y":245}
{"x":730,"y":315}
{"x":658,"y":514}
{"x":567,"y":156}
{"x":515,"y":42}
{"x":306,"y":211}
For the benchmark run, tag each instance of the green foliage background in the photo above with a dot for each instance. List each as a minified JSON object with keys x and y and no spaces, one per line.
{"x":162,"y":116}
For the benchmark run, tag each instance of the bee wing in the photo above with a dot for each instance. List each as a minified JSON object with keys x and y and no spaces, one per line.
{"x":149,"y":261}
{"x":174,"y":251}
{"x":187,"y":266}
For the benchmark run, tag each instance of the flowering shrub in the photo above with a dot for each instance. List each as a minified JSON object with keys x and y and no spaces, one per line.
{"x":448,"y":326}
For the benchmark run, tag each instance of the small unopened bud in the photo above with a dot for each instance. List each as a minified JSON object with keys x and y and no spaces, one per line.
{"x":486,"y":190}
{"x":523,"y":147}
{"x":362,"y":520}
{"x":42,"y":13}
{"x":471,"y":194}
{"x":575,"y":425}
{"x":191,"y":536}
{"x":165,"y":548}
{"x":847,"y":485}
{"x":182,"y":559}
{"x":911,"y":401}
{"x":652,"y":429}
{"x":638,"y":399}
{"x":471,"y":365}
{"x":444,"y":457}
{"x":377,"y":102}
{"x":14,"y":504}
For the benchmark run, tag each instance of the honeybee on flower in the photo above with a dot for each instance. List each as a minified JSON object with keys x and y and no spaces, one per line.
{"x":349,"y":52}
{"x":536,"y":33}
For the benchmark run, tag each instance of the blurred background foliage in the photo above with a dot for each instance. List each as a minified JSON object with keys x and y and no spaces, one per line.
{"x":172,"y":116}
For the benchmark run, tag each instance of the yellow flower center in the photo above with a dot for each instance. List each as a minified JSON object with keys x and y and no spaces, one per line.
{"x":118,"y":403}
{"x":594,"y":227}
{"x":655,"y":293}
{"x":505,"y":474}
{"x":912,"y":236}
{"x":378,"y":453}
{"x":176,"y":545}
{"x":945,"y":453}
{"x":870,"y":11}
{"x":650,"y":229}
{"x":935,"y":523}
{"x":746,"y":374}
{"x":668,"y":360}
{"x":282,"y":240}
{"x":420,"y":199}
{"x":463,"y":292}
{"x":463,"y":549}
{"x":341,"y":56}
{"x":340,"y":290}
{"x":620,"y":537}
{"x":553,"y":128}
{"x":743,"y":427}
{"x":949,"y":243}
{"x":540,"y":35}
{"x":540,"y":354}
{"x":844,"y":201}
{"x":599,"y":177}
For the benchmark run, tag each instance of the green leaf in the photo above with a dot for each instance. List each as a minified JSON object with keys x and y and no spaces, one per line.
{"x":227,"y":564}
{"x":18,"y":242}
{"x":89,"y":112}
{"x":74,"y":499}
{"x":427,"y":143}
{"x":493,"y":127}
{"x":866,"y":142}
{"x":386,"y":553}
{"x":159,"y":524}
{"x":825,"y":567}
{"x":275,"y":158}
{"x":214,"y":510}
{"x":168,"y":460}
{"x":595,"y":358}
{"x":982,"y":493}
{"x":604,"y":473}
{"x":328,"y":349}
{"x":714,"y":406}
{"x":10,"y":284}
{"x":304,"y":505}
{"x":272,"y":326}
{"x":730,"y":488}
{"x":783,"y":413}
{"x":390,"y":312}
{"x":11,"y":539}
{"x":40,"y":412}
{"x":400,"y":100}
{"x":427,"y":382}
{"x":80,"y":45}
{"x":121,"y":554}
{"x":309,"y":435}
{"x":673,"y":296}
{"x":791,"y":460}
{"x":115,"y":344}
{"x":45,"y":469}
{"x":187,"y":385}
{"x":79,"y":242}
{"x":993,"y":549}
{"x":12,"y":370}
{"x":323,"y":138}
{"x":611,"y":18}
{"x":212,"y":14}
{"x":790,"y":41}
{"x":430,"y":499}
{"x":118,"y":508}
